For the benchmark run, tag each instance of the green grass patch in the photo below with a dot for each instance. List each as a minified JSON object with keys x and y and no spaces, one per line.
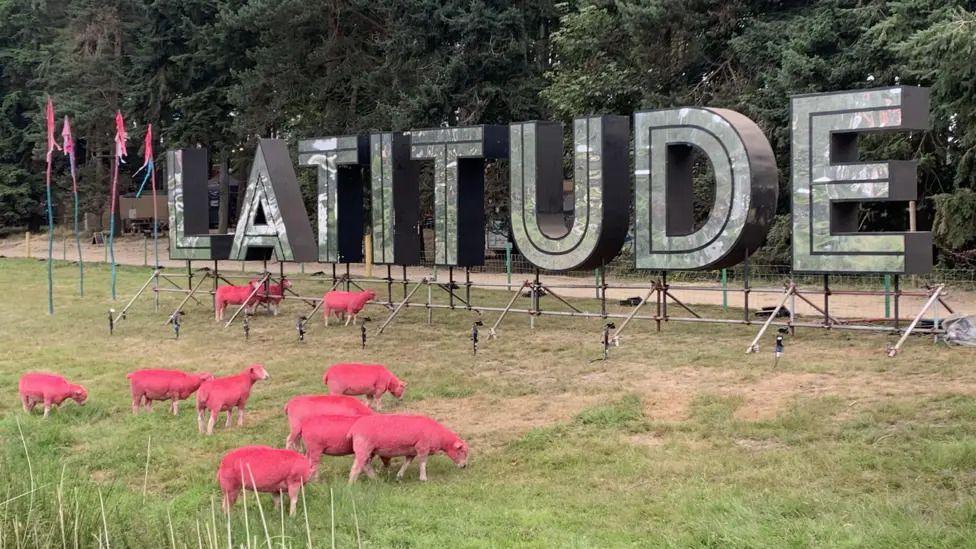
{"x":671,"y":443}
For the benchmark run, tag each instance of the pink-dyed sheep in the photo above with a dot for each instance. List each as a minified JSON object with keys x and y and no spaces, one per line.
{"x":371,"y":380}
{"x":402,"y":435}
{"x":262,"y":469}
{"x":274,"y":294}
{"x":50,"y":389}
{"x":303,"y":406}
{"x":224,"y":393}
{"x":347,"y":303}
{"x":327,"y":435}
{"x":150,"y":385}
{"x":234,"y":295}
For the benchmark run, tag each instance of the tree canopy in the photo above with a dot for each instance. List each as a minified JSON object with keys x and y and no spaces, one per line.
{"x":221,"y":73}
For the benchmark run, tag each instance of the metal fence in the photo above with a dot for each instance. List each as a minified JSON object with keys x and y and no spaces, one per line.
{"x":622,"y":268}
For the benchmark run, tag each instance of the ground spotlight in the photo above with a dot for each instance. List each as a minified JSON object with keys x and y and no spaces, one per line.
{"x":176,"y":320}
{"x":606,"y":339}
{"x":362,"y":330}
{"x":474,"y":336}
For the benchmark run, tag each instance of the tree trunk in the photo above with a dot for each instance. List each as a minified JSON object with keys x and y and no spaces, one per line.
{"x":223,"y":213}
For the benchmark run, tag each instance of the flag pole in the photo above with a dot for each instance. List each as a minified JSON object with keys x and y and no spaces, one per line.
{"x":120,"y":137}
{"x":51,"y":145}
{"x":69,"y":149}
{"x":149,"y":164}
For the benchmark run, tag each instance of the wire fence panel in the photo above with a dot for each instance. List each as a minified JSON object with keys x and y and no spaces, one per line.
{"x":622,"y":268}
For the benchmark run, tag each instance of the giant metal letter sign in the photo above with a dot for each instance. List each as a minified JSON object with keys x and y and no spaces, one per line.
{"x":745,"y":188}
{"x":273,"y":219}
{"x":189,"y":208}
{"x":459,"y":187}
{"x":828,"y":181}
{"x":602,"y":196}
{"x":341,"y":162}
{"x":396,"y":200}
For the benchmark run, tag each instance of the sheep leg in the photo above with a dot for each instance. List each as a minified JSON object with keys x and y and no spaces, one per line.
{"x":210,"y":423}
{"x":368,"y":468}
{"x":357,"y":467}
{"x":240,"y":416}
{"x":200,"y":419}
{"x":293,"y":490}
{"x":229,"y":498}
{"x":148,"y":404}
{"x":364,"y":454}
{"x":276,"y":498}
{"x":314,"y":454}
{"x":26,"y":403}
{"x":176,"y":407}
{"x":422,"y":458}
{"x":230,"y":413}
{"x":403,"y":469}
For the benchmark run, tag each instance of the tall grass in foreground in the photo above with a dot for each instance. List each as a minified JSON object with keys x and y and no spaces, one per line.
{"x":46,"y":507}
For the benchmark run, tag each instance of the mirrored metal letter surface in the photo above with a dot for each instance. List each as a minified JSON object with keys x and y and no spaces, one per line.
{"x":340,"y":163}
{"x":187,"y":171}
{"x":395,"y":200}
{"x":599,"y":223}
{"x":829,"y":181}
{"x":459,"y":187}
{"x":273,"y":218}
{"x":745,"y":188}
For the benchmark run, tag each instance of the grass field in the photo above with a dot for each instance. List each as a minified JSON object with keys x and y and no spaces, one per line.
{"x":679,"y":440}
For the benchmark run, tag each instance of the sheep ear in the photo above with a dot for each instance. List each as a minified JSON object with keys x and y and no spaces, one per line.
{"x":458,"y":445}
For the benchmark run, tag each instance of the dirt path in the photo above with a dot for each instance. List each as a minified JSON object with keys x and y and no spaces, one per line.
{"x":138,"y":251}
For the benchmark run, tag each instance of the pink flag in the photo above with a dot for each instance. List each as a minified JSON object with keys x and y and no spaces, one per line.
{"x":69,"y":149}
{"x":52,"y":143}
{"x":120,"y":136}
{"x":147,"y":154}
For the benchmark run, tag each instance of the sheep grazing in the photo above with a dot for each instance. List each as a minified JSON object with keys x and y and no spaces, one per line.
{"x":273,"y":296}
{"x":389,"y":436}
{"x":224,"y":393}
{"x":262,"y":469}
{"x":345,"y":303}
{"x":234,"y":295}
{"x":173,"y":385}
{"x":327,"y":435}
{"x":50,"y":389}
{"x":371,"y":380}
{"x":303,"y":406}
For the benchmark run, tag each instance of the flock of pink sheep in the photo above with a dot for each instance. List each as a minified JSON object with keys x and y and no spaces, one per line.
{"x":336,"y":424}
{"x":340,"y":303}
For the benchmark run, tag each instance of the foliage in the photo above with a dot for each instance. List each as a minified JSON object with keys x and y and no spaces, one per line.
{"x":955,"y":224}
